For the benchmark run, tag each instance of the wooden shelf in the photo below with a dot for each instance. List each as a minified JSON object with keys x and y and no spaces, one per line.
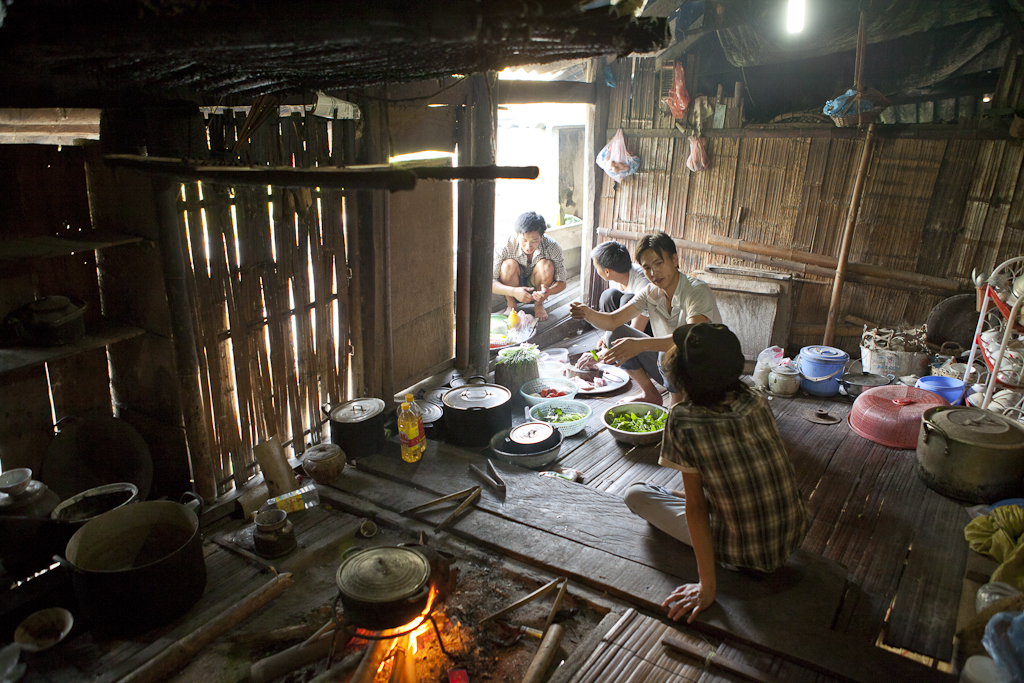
{"x":44,"y":246}
{"x":18,"y":357}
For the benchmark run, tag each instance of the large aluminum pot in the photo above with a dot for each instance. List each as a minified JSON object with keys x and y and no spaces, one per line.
{"x":384,"y":587}
{"x":971,"y":454}
{"x":473,"y":413}
{"x":138,"y":566}
{"x":357,"y":426}
{"x":856,"y":382}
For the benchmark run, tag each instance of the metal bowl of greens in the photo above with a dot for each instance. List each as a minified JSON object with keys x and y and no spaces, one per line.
{"x":638,"y":424}
{"x":569,"y":417}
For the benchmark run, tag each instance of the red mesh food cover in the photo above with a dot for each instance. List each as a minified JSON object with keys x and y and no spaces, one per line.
{"x":891,"y":415}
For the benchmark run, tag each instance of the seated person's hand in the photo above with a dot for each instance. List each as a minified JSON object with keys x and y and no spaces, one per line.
{"x":621,"y":350}
{"x":524,"y":295}
{"x":578,"y":311}
{"x":690,"y":598}
{"x":601,"y":344}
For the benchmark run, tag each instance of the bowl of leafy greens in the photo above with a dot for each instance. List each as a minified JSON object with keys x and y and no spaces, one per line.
{"x":639,"y":423}
{"x":568,"y":417}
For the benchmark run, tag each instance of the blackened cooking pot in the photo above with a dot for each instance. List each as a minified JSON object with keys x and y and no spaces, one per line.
{"x":473,"y":413}
{"x":357,"y":426}
{"x":384,"y":588}
{"x":138,"y":566}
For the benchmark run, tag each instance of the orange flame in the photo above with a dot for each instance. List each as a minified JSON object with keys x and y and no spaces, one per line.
{"x":420,"y":625}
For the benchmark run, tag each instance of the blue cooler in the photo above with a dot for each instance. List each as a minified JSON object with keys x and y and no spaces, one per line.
{"x":821,"y":368}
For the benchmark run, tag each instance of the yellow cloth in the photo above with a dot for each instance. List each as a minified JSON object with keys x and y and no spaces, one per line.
{"x":1000,"y":535}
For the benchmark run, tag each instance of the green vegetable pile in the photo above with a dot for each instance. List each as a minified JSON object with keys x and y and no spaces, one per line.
{"x":631,"y":422}
{"x":557,"y":415}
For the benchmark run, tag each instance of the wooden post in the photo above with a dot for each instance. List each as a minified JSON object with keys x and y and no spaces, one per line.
{"x":597,"y":123}
{"x":464,"y":241}
{"x":485,"y":109}
{"x":844,"y":251}
{"x":355,"y":332}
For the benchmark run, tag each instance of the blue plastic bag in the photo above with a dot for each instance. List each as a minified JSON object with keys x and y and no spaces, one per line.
{"x":839,"y":104}
{"x":1004,"y":641}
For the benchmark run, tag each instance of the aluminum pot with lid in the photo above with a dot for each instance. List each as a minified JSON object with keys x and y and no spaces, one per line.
{"x":971,"y":454}
{"x":357,"y":426}
{"x":473,"y":413}
{"x":385,"y":587}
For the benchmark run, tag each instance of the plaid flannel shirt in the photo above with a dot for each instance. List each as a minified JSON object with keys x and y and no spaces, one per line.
{"x":757,"y":515}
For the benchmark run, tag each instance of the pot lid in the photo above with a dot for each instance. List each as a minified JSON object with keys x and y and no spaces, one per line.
{"x":866,"y":379}
{"x":531,"y":432}
{"x":477,"y":396}
{"x":976,"y":426}
{"x":431,"y":411}
{"x":463,"y":381}
{"x":891,"y":415}
{"x":827,"y":354}
{"x":383,"y":575}
{"x":322,"y":452}
{"x":786,"y":370}
{"x":357,"y":410}
{"x":436,"y":396}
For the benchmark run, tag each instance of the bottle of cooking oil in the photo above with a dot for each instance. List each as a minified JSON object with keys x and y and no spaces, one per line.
{"x":409,"y":434}
{"x":418,"y":412}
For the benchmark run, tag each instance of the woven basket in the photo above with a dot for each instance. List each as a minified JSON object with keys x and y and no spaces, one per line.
{"x":849,"y":116}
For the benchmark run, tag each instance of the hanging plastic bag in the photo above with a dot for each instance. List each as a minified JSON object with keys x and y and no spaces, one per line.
{"x":678,"y":99}
{"x":698,"y":159}
{"x":616,"y":160}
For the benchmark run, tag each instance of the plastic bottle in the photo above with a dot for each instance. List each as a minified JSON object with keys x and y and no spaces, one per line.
{"x":293,"y":501}
{"x":409,"y":434}
{"x":418,"y":412}
{"x":513,"y":320}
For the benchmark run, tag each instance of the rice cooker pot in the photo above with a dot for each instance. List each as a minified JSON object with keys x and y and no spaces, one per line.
{"x":357,"y":426}
{"x":971,"y":454}
{"x":473,"y":413}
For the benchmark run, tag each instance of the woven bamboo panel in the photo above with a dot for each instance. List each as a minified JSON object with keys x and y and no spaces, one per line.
{"x":266,"y":267}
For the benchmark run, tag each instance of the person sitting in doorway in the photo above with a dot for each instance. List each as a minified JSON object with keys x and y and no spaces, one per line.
{"x":529,"y":268}
{"x":740,"y":504}
{"x":671,"y":299}
{"x":614,"y":265}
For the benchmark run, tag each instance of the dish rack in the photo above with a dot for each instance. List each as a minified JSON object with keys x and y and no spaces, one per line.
{"x":999,"y":332}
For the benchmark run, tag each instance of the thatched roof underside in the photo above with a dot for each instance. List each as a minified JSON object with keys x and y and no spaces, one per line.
{"x":109,"y":52}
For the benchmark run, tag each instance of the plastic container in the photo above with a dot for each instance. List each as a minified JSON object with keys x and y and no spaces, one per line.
{"x":418,"y":412}
{"x":293,"y":501}
{"x":410,"y":434}
{"x":567,"y":428}
{"x":982,"y":669}
{"x":530,"y":390}
{"x":821,"y":368}
{"x":555,"y":355}
{"x":550,"y":368}
{"x":949,"y":388}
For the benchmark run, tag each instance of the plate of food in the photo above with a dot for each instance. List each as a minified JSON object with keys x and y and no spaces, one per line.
{"x":595,"y":377}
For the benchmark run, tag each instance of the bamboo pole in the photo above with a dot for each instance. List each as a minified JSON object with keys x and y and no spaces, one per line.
{"x":831,"y":262}
{"x":545,"y":654}
{"x":181,"y":652}
{"x":484,"y":117}
{"x":844,"y":251}
{"x":464,"y":239}
{"x":772,"y":262}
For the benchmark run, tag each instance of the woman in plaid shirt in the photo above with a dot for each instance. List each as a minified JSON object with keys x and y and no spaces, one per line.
{"x":739,"y":504}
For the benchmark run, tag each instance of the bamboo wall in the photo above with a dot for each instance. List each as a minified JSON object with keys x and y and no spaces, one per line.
{"x":934,"y":206}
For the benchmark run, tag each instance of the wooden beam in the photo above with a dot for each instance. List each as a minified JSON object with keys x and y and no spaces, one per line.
{"x":544,"y":92}
{"x":1009,"y":18}
{"x":936,"y":131}
{"x":597,"y":121}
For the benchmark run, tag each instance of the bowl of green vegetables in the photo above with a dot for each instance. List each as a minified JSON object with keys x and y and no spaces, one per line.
{"x":638,"y":424}
{"x":568,"y":417}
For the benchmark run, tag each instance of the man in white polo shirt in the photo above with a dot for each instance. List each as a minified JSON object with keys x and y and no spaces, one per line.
{"x":672,"y":299}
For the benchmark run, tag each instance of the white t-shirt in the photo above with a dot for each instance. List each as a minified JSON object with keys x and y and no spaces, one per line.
{"x":637,"y":279}
{"x":692,"y":297}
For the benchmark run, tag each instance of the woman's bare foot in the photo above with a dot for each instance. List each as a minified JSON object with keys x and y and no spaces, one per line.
{"x":539,"y":312}
{"x":656,"y":399}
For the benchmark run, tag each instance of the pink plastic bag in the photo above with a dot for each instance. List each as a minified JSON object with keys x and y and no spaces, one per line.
{"x":616,"y":160}
{"x":698,"y":159}
{"x":678,"y":98}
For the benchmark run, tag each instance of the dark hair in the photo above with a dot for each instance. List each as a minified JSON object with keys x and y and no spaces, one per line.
{"x":612,"y":255}
{"x":706,"y":362}
{"x":659,"y":242}
{"x":531,"y":221}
